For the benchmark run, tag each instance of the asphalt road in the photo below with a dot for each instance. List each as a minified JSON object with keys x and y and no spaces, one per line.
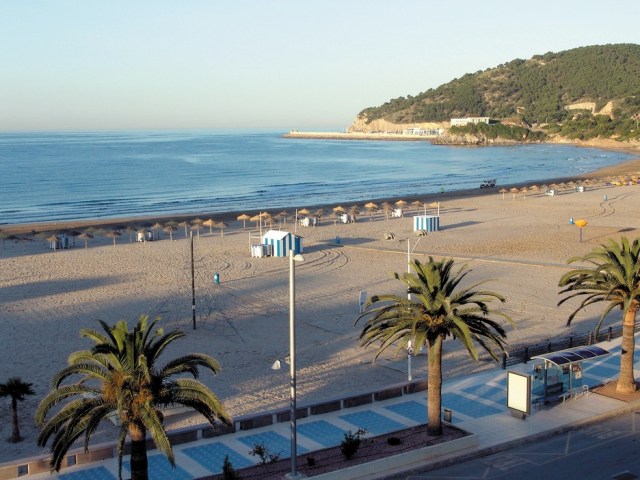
{"x":605,"y":450}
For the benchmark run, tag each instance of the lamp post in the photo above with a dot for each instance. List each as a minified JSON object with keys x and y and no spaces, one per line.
{"x":292,"y":364}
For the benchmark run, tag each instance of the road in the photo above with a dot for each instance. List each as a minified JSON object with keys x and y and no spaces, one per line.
{"x":607,"y":450}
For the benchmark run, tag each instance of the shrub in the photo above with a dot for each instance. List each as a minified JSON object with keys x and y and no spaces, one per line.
{"x":311,"y":462}
{"x":351,"y":442}
{"x":261,"y":451}
{"x":394,"y":441}
{"x":228,"y":472}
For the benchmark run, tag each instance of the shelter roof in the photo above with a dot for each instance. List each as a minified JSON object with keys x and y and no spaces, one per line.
{"x":572,"y":355}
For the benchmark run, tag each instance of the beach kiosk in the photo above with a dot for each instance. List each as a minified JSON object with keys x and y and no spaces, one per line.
{"x":428,"y":223}
{"x":559,"y":375}
{"x":281,"y":242}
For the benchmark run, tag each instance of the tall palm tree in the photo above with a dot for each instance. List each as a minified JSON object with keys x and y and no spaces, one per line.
{"x":613,"y":277}
{"x":120,"y":375}
{"x":436,"y":308}
{"x":17,"y":390}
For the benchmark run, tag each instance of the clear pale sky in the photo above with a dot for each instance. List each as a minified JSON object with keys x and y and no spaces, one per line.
{"x":111,"y":64}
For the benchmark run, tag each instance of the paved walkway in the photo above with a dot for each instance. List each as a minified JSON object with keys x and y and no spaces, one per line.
{"x":477,"y":402}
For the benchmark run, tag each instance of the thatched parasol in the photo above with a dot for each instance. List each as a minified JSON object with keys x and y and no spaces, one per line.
{"x":371,"y":207}
{"x":339,"y":209}
{"x":524,"y":191}
{"x":170,"y":229}
{"x":503,"y":191}
{"x":209,"y":223}
{"x":113,"y":234}
{"x":514,"y":190}
{"x":221,"y":226}
{"x":86,"y":236}
{"x":244,"y":217}
{"x":401,"y":203}
{"x":185,"y":225}
{"x":418,"y":204}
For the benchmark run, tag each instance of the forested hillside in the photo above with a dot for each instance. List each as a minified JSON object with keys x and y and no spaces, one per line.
{"x":583,"y":92}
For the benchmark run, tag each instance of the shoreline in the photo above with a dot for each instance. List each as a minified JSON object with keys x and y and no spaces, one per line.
{"x":626,"y":168}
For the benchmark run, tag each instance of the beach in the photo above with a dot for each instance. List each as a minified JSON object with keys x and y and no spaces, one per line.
{"x":517,"y":242}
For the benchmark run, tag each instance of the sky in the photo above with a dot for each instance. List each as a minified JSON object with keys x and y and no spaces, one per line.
{"x":283,"y":64}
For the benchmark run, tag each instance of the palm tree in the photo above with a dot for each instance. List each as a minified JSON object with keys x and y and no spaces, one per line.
{"x":613,"y":278}
{"x":17,"y":390}
{"x":438,"y":309}
{"x":120,"y":375}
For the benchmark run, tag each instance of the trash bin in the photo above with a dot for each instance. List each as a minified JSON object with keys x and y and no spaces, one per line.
{"x":216,"y":278}
{"x":447,"y":415}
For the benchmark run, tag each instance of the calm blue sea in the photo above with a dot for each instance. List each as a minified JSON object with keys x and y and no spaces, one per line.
{"x":70,"y":176}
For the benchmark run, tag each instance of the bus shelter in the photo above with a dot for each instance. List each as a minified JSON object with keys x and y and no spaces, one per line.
{"x":560,"y":374}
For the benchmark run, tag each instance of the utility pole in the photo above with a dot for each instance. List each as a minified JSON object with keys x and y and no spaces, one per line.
{"x":193,"y":287}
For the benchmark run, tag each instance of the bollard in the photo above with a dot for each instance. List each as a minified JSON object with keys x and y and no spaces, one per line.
{"x":216,"y":278}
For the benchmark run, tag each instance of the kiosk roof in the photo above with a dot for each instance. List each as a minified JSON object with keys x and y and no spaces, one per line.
{"x":571,"y":355}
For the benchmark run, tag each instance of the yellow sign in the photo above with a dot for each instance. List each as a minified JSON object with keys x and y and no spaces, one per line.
{"x":581,"y":223}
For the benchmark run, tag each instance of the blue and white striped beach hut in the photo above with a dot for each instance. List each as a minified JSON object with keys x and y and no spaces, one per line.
{"x":281,"y":242}
{"x":428,"y":223}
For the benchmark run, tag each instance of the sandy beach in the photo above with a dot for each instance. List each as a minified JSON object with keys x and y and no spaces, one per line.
{"x":519,"y":242}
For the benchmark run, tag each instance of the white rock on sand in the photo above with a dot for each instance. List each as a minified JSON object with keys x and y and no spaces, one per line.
{"x":520,"y":245}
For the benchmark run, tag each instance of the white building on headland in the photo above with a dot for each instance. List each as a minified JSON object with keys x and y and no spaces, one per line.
{"x":461,"y":122}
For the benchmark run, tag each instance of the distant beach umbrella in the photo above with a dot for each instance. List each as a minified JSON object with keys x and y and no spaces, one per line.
{"x":534,"y":188}
{"x":86,"y":236}
{"x":435,"y":205}
{"x":170,"y":229}
{"x":524,"y":191}
{"x":221,"y":226}
{"x":209,"y":223}
{"x":387,"y":208}
{"x":113,"y":234}
{"x":503,"y":191}
{"x":244,"y":217}
{"x":130,"y":229}
{"x":284,"y":215}
{"x":185,"y":225}
{"x":195,"y":228}
{"x":418,"y":204}
{"x":371,"y":207}
{"x":514,"y":190}
{"x":197,"y":221}
{"x":157,"y":227}
{"x":339,"y":209}
{"x":257,"y":219}
{"x":401,"y":203}
{"x":304,"y":211}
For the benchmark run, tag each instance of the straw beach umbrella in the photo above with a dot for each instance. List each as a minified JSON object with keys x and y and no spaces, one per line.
{"x":418,"y":204}
{"x":221,"y":226}
{"x":185,"y":225}
{"x":524,"y":191}
{"x":170,"y":229}
{"x":156,"y":227}
{"x":339,"y":209}
{"x":244,"y":217}
{"x":503,"y":191}
{"x":53,"y":241}
{"x":284,"y":215}
{"x":371,"y":207}
{"x":209,"y":223}
{"x":86,"y":236}
{"x":113,"y":234}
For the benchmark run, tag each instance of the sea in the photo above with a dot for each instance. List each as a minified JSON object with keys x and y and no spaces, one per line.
{"x":66,"y":176}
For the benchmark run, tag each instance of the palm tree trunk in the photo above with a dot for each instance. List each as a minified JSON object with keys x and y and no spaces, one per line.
{"x":626,"y":382}
{"x":434,"y":386}
{"x":139,"y":465}
{"x":15,"y":434}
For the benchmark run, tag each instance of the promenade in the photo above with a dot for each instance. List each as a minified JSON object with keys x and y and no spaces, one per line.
{"x":477,"y":403}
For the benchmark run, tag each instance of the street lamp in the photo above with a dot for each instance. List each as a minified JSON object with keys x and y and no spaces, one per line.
{"x":292,"y":365}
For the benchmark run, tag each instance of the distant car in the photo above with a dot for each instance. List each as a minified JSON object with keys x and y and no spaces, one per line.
{"x":488,"y":183}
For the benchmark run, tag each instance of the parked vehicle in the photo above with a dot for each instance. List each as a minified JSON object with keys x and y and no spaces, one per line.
{"x":488,"y":183}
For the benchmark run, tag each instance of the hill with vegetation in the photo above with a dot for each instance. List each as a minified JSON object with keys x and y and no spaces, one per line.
{"x":583,"y":93}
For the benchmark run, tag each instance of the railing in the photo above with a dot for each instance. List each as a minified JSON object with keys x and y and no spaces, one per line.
{"x":524,"y":354}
